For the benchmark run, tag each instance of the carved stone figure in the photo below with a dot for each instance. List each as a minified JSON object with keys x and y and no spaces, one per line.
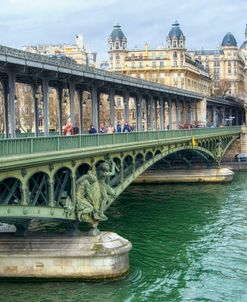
{"x":67,"y":204}
{"x":94,"y":194}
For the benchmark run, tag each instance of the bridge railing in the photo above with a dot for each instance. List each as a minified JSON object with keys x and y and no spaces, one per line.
{"x":30,"y":145}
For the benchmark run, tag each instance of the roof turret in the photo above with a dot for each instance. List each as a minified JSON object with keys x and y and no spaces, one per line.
{"x":229,"y":40}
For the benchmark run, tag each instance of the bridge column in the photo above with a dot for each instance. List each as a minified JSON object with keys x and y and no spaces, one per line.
{"x":190,"y":113}
{"x":177,"y":114}
{"x":230,"y":116}
{"x":5,"y":108}
{"x":161,"y":114}
{"x":223,"y":117}
{"x":169,"y":113}
{"x":202,"y":111}
{"x":73,"y":189}
{"x":80,"y":98}
{"x":151,"y":102}
{"x":126,"y":105}
{"x":237,"y":117}
{"x":72,"y":102}
{"x":147,"y":112}
{"x":95,"y":107}
{"x":36,"y":109}
{"x":112,"y":106}
{"x":138,"y":112}
{"x":51,"y":182}
{"x":155,"y":114}
{"x":184,"y":112}
{"x":25,"y":194}
{"x":60,"y":111}
{"x":215,"y":117}
{"x":45,"y":91}
{"x":11,"y":90}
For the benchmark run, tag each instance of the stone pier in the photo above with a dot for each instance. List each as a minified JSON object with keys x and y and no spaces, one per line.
{"x":186,"y":176}
{"x":53,"y":256}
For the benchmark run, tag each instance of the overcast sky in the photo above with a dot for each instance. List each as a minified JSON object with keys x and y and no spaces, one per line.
{"x":203,"y":22}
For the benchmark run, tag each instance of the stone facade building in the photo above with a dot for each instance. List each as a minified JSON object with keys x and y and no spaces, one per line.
{"x":226,"y":67}
{"x":171,"y":65}
{"x":76,"y":52}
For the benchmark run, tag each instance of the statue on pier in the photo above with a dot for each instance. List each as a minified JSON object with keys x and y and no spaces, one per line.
{"x":94,"y":194}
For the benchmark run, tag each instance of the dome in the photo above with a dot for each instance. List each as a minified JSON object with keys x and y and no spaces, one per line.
{"x":229,"y":40}
{"x":175,"y":31}
{"x":117,"y":33}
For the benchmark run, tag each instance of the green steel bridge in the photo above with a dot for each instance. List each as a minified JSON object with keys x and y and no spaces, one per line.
{"x":38,"y":175}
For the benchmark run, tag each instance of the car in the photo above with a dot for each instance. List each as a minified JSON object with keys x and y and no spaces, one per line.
{"x":241,"y":157}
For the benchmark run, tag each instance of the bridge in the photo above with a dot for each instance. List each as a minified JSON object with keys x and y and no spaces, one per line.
{"x":41,"y":177}
{"x":156,"y":106}
{"x":47,"y":176}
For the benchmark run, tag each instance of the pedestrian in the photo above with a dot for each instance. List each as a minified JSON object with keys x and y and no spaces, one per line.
{"x":126,"y":127}
{"x":102,"y":129}
{"x":119,"y":127}
{"x":68,"y":129}
{"x":92,"y":130}
{"x":110,"y":129}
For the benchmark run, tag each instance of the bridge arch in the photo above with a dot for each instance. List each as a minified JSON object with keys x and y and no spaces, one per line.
{"x":10,"y":191}
{"x":62,"y":184}
{"x":38,"y":186}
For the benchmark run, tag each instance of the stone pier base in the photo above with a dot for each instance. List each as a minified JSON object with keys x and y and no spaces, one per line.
{"x":186,"y":176}
{"x":63,"y":257}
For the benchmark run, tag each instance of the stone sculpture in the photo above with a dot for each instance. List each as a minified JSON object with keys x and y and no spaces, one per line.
{"x":93,"y":193}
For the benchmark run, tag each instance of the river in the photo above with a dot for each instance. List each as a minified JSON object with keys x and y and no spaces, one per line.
{"x":189,"y":244}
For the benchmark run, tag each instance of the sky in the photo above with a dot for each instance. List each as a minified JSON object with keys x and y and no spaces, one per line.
{"x":203,"y":22}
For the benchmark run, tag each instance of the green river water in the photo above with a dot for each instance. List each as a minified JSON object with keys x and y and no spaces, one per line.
{"x":189,"y":244}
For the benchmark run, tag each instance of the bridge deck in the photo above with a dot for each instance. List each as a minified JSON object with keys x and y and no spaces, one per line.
{"x":15,"y":152}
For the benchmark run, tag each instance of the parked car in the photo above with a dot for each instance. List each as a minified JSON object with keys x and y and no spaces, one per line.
{"x":241,"y":157}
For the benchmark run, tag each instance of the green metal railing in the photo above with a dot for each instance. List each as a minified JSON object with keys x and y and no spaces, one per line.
{"x":30,"y":145}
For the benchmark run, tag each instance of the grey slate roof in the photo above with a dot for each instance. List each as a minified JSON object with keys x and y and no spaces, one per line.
{"x":175,"y":31}
{"x":117,"y":33}
{"x":229,"y":40}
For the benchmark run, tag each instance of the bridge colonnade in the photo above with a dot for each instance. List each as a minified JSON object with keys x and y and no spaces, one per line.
{"x":43,"y":94}
{"x":142,"y":110}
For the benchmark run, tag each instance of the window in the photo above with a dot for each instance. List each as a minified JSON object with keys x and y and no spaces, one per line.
{"x":117,"y":45}
{"x":175,"y":64}
{"x":140,"y":56}
{"x":153,"y":55}
{"x":154,"y":64}
{"x":161,"y":64}
{"x":161,"y":55}
{"x":175,"y":55}
{"x":132,"y":64}
{"x":174,"y":43}
{"x":117,"y":56}
{"x":119,"y":102}
{"x":132,"y":56}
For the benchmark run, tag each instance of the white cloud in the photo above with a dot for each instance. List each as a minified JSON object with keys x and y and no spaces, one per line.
{"x":204,"y":22}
